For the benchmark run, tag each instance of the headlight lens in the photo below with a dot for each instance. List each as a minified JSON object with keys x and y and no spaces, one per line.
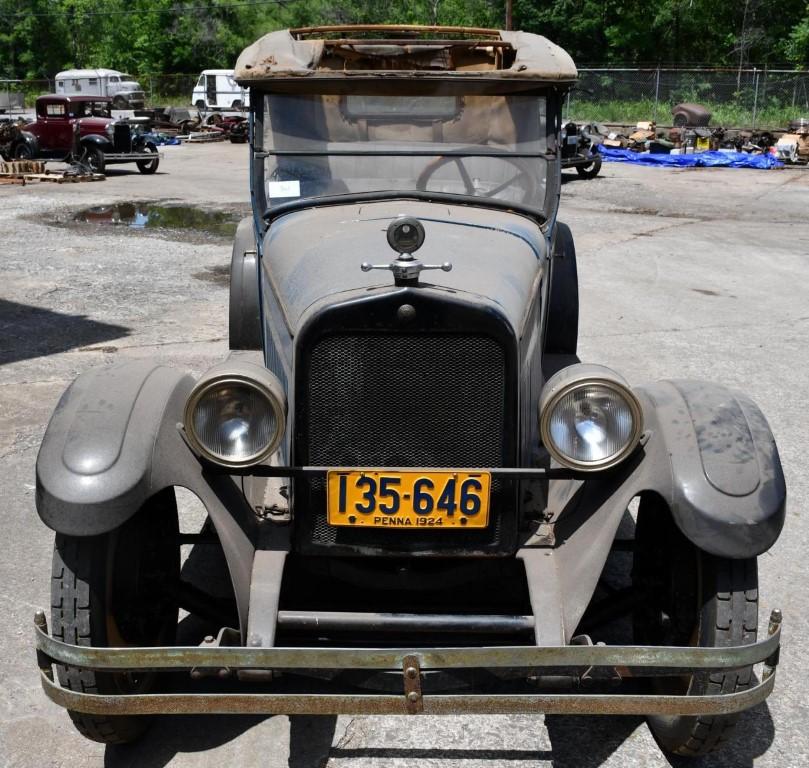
{"x":591,"y":425}
{"x":235,"y":422}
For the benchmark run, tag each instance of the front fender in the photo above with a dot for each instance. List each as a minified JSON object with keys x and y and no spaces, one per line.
{"x":718,"y":469}
{"x":96,"y":140}
{"x":113,"y":442}
{"x":94,"y":468}
{"x":26,"y":137}
{"x":707,"y":451}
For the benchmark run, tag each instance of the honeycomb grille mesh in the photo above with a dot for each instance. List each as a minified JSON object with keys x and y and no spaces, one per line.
{"x":384,"y":400}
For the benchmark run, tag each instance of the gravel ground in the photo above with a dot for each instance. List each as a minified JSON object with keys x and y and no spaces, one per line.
{"x":684,"y":273}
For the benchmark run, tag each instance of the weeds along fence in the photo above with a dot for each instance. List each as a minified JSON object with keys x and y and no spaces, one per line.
{"x":747,"y":98}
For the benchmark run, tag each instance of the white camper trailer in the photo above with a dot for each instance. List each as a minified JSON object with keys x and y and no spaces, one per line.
{"x":123,"y":89}
{"x":216,"y":89}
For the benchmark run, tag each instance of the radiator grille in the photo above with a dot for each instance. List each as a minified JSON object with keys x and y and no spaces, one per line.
{"x":122,"y":137}
{"x":402,"y":400}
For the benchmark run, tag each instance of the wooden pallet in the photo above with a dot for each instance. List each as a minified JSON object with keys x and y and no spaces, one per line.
{"x":56,"y":178}
{"x":22,"y":166}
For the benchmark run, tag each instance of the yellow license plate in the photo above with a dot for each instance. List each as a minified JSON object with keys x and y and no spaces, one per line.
{"x":408,"y":500}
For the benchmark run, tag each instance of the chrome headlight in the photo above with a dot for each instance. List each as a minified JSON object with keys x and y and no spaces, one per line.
{"x":589,"y":418}
{"x":236,"y":414}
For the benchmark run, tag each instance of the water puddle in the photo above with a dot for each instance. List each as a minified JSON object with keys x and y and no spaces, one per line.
{"x":176,"y":222}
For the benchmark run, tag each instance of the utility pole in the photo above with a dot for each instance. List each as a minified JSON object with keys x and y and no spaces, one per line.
{"x":509,"y":14}
{"x":742,"y":45}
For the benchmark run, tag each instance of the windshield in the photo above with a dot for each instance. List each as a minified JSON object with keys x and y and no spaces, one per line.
{"x":481,"y":146}
{"x":91,"y":109}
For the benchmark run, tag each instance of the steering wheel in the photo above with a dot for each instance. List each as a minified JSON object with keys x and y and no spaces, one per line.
{"x":522,"y":178}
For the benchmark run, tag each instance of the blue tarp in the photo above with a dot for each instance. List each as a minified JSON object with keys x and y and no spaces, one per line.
{"x":697,"y":160}
{"x":161,"y":139}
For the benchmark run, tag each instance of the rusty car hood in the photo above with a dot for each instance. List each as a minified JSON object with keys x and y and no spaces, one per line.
{"x":314,"y":255}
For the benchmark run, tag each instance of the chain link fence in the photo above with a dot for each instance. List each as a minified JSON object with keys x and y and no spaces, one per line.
{"x":747,"y":98}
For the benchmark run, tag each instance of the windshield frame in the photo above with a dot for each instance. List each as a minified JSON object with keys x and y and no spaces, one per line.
{"x":264,"y":213}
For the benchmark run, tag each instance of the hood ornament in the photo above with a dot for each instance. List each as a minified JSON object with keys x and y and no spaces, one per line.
{"x":405,"y":236}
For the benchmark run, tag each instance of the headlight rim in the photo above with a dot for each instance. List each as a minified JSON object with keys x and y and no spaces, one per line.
{"x":618,"y":387}
{"x":202,"y":388}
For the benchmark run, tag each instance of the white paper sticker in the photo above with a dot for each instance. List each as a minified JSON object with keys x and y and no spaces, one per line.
{"x":284,"y":188}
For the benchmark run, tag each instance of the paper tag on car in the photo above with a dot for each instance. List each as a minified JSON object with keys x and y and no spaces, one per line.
{"x":284,"y":188}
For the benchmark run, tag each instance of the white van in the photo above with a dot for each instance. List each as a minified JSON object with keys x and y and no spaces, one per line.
{"x":216,"y":89}
{"x":123,"y":89}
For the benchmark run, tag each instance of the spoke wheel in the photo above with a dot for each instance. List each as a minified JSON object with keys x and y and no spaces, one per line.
{"x":692,"y":599}
{"x":23,"y":152}
{"x":115,"y":590}
{"x":149,"y":166}
{"x":591,"y":170}
{"x":93,"y":158}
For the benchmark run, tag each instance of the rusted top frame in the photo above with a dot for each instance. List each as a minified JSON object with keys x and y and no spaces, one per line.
{"x":301,"y":32}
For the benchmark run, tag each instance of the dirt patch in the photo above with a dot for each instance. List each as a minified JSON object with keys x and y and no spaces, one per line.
{"x":219,"y":274}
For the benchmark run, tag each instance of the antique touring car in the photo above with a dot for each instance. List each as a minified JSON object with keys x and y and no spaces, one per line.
{"x":414,"y":482}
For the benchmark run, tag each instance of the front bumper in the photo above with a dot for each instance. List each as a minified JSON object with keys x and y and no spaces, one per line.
{"x":593,"y":663}
{"x":130,"y":157}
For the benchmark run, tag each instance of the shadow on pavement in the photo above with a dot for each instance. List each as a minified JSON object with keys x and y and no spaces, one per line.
{"x":27,"y":331}
{"x":310,"y":739}
{"x":584,"y":741}
{"x":173,"y":734}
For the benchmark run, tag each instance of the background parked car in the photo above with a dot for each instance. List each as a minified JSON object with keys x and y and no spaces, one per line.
{"x":82,"y":127}
{"x":216,"y":89}
{"x":123,"y":89}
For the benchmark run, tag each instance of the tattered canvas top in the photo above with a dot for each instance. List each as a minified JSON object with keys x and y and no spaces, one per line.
{"x":427,"y":52}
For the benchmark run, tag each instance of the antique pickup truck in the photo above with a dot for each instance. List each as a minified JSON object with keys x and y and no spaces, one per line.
{"x":82,"y":128}
{"x":413,"y":480}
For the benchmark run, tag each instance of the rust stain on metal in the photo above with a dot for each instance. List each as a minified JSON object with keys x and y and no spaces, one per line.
{"x":337,"y":704}
{"x":631,"y":660}
{"x":635,"y":658}
{"x":414,"y":699}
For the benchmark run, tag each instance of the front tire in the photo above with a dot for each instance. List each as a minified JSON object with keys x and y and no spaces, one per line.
{"x":119,"y":102}
{"x":692,"y":599}
{"x":116,"y":590}
{"x":23,"y":152}
{"x":148,"y":167}
{"x":591,"y":170}
{"x":93,"y":158}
